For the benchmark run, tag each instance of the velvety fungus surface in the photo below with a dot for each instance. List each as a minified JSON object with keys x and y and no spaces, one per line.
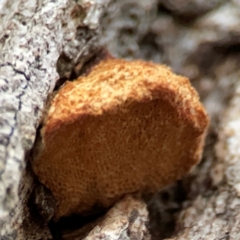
{"x":126,"y":127}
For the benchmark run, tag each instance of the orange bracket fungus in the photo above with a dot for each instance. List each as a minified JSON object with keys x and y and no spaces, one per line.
{"x":125,"y":127}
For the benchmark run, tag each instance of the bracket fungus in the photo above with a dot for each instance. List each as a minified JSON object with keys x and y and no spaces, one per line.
{"x":125,"y":127}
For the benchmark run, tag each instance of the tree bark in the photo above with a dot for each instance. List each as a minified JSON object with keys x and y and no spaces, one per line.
{"x":43,"y":40}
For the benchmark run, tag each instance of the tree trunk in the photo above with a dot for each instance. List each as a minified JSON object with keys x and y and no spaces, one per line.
{"x":42,"y":41}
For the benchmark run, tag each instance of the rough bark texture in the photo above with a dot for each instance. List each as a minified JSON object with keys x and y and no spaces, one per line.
{"x":126,"y":220}
{"x":198,"y":39}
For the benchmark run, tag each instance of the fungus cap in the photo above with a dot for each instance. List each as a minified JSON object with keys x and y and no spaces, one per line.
{"x":126,"y":127}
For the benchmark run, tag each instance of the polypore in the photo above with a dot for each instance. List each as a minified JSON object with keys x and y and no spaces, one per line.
{"x":125,"y":127}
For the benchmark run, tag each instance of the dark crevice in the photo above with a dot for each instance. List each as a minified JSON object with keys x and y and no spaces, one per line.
{"x":60,"y":82}
{"x":82,"y":69}
{"x":149,"y":46}
{"x":36,"y":218}
{"x":162,"y":10}
{"x":100,"y":55}
{"x":209,"y":55}
{"x":163,"y":209}
{"x":182,"y":18}
{"x":185,"y":12}
{"x":68,"y":225}
{"x":127,"y":31}
{"x":83,"y":32}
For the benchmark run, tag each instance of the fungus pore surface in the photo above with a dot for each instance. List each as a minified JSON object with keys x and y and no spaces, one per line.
{"x":126,"y":127}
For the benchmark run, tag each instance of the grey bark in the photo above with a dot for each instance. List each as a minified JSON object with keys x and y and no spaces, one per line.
{"x":198,"y":39}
